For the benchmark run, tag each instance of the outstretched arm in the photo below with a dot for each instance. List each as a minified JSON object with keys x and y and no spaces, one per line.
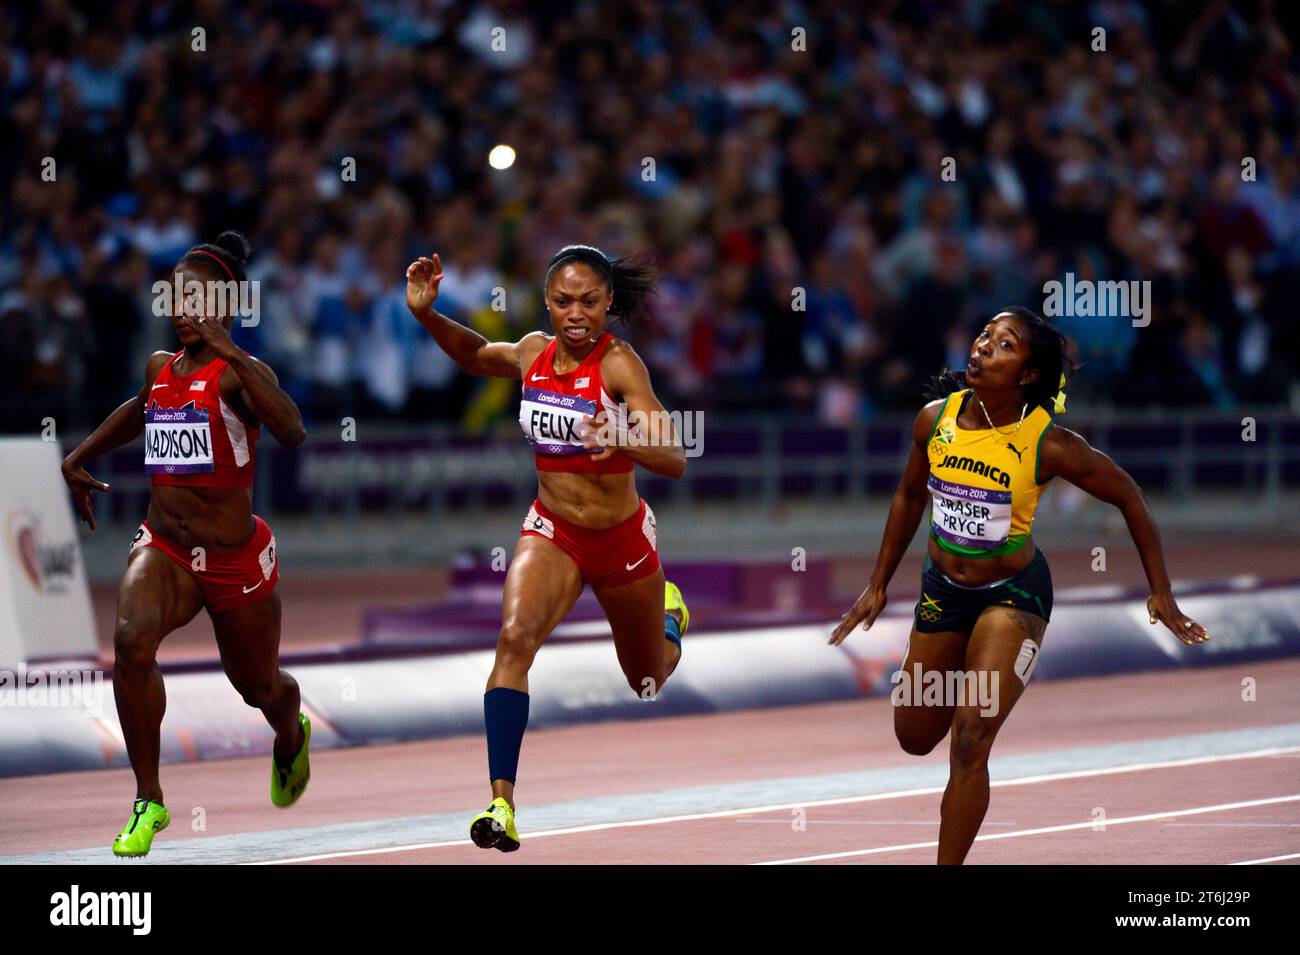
{"x":905,"y":512}
{"x":1067,"y":455}
{"x":121,"y":427}
{"x":466,"y":347}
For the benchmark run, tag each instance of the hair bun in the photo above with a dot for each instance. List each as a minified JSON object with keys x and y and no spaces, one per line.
{"x":234,"y":243}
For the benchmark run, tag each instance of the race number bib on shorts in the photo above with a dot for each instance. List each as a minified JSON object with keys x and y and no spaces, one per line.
{"x":266,"y":559}
{"x":649,"y":529}
{"x":537,"y":524}
{"x":177,"y":441}
{"x":551,"y":421}
{"x":970,"y":516}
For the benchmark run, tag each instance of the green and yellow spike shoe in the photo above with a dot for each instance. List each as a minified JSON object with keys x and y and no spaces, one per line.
{"x":673,"y":601}
{"x":147,"y":818}
{"x":495,"y":827}
{"x":288,"y":785}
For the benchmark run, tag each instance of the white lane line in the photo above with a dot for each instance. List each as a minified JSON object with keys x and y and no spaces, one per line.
{"x":860,"y":822}
{"x":1231,"y":825}
{"x":364,"y":852}
{"x":1293,"y":855}
{"x":782,"y":807}
{"x":1145,"y":817}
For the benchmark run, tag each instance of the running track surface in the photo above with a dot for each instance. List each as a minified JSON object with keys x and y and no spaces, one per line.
{"x":1139,"y":768}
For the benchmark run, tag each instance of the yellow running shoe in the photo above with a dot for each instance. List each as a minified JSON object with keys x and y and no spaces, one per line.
{"x":288,"y":784}
{"x":494,"y":828}
{"x":673,"y":601}
{"x":147,"y":818}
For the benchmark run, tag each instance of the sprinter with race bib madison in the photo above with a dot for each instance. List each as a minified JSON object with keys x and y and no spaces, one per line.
{"x":200,"y":547}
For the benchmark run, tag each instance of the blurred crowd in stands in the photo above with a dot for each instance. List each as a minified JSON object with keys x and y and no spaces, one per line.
{"x":783,"y":163}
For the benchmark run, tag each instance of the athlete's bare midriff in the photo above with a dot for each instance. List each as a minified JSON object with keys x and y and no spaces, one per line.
{"x":214,"y":518}
{"x":975,"y":572}
{"x":594,"y":501}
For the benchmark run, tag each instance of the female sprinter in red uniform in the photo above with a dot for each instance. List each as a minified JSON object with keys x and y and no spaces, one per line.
{"x":200,"y":546}
{"x":581,"y":388}
{"x":982,"y":453}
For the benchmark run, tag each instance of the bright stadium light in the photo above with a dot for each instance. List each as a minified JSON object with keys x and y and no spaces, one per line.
{"x":501,"y":157}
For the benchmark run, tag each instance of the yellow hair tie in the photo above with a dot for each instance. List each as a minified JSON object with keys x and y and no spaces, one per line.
{"x":1058,"y":403}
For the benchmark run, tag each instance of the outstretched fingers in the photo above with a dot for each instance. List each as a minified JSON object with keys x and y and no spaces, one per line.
{"x":1180,"y":625}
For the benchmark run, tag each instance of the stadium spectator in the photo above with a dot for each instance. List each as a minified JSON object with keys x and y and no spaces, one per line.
{"x":345,"y":137}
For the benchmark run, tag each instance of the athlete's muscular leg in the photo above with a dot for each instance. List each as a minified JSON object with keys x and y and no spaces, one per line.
{"x":542,"y":585}
{"x":248,"y":639}
{"x":155,"y":597}
{"x":635,"y":613}
{"x":994,"y":646}
{"x":920,"y":728}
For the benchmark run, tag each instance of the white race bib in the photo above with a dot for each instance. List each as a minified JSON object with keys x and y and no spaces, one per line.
{"x":975,"y":517}
{"x":552,"y":422}
{"x":178,"y":441}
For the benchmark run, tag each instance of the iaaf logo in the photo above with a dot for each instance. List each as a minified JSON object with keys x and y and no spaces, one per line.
{"x":232,"y":298}
{"x":103,"y":908}
{"x":1086,"y":298}
{"x":49,"y":567}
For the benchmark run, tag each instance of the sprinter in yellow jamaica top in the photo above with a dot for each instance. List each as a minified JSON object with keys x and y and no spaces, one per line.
{"x":982,"y":453}
{"x":984,"y":483}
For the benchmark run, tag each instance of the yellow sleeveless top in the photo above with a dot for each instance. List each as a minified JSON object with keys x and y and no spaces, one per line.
{"x":984,"y":485}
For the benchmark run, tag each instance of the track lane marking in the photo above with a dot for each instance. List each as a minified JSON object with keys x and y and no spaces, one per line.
{"x":1293,"y":855}
{"x":1042,"y":830}
{"x":780,"y":807}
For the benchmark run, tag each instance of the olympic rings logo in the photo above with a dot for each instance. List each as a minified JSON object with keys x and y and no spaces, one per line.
{"x":929,"y":616}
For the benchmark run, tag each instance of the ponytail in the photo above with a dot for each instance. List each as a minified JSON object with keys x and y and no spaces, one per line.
{"x":943,"y":384}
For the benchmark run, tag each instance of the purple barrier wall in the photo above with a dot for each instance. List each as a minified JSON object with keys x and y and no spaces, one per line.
{"x":723,"y":595}
{"x":379,"y":700}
